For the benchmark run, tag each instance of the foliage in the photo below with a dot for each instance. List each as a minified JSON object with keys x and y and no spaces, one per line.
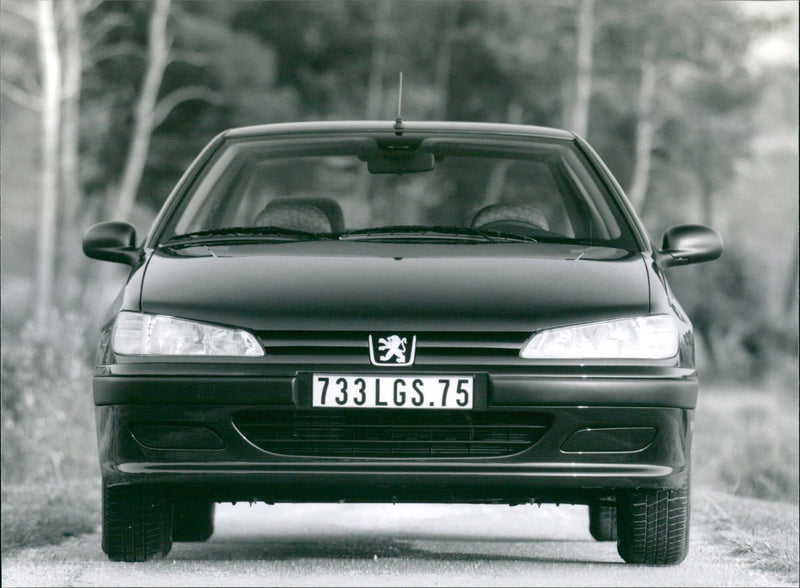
{"x":232,"y":74}
{"x":504,"y":61}
{"x":47,"y":410}
{"x":741,"y":341}
{"x":746,"y":441}
{"x":759,"y":532}
{"x":258,"y":62}
{"x":47,"y":514}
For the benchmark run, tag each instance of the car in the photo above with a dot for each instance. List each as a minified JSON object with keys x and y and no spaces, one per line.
{"x":391,"y":311}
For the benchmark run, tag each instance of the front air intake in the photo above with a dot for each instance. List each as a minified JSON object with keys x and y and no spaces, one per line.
{"x":394,"y":434}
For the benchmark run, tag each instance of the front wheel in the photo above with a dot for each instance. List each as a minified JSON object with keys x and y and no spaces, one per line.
{"x":653,"y":525}
{"x":137,"y":522}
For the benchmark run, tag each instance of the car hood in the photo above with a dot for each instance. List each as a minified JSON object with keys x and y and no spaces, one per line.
{"x":395,"y":286}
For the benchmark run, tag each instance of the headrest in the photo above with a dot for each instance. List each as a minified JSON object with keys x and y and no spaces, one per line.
{"x":518,"y":211}
{"x":290,"y":213}
{"x":329,"y":206}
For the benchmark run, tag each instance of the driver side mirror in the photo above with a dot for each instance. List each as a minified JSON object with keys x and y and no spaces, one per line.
{"x":685,"y":244}
{"x":111,"y":241}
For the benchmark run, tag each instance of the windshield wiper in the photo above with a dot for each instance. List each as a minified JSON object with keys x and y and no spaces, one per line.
{"x":244,"y":233}
{"x":434,"y":232}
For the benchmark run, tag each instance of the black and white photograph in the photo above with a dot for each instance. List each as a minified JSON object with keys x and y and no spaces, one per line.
{"x":399,"y":292}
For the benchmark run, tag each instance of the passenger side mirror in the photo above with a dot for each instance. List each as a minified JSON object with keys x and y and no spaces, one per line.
{"x":111,"y":241}
{"x":685,"y":244}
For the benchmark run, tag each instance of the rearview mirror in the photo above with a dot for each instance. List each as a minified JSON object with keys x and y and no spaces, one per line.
{"x":400,"y":162}
{"x":685,"y":244}
{"x":111,"y":241}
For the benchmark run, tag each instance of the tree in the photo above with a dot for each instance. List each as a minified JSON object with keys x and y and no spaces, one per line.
{"x":645,"y":126}
{"x":50,"y":63}
{"x":377,"y":72}
{"x":70,"y":130}
{"x":42,"y":18}
{"x":583,"y":59}
{"x":655,"y":61}
{"x":145,"y":113}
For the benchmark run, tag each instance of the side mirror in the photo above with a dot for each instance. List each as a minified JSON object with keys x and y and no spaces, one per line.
{"x":111,"y":241}
{"x":685,"y":244}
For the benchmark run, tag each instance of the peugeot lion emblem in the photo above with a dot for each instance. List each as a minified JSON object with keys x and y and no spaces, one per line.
{"x":395,"y":349}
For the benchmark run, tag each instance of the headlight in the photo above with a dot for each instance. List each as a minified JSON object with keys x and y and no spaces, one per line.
{"x":154,"y":334}
{"x":645,"y":337}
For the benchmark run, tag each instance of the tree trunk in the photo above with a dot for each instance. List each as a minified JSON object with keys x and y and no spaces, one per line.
{"x":790,"y":298}
{"x":444,"y":58}
{"x":378,"y":60}
{"x":707,"y":202}
{"x":645,"y":131}
{"x":515,"y":115}
{"x":50,"y":61}
{"x":70,"y":130}
{"x":583,"y":81}
{"x":380,"y":31}
{"x":72,"y":194}
{"x":157,"y":59}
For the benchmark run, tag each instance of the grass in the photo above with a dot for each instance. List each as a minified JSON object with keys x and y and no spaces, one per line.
{"x":746,"y":441}
{"x":46,"y":514}
{"x":763,"y":532}
{"x":745,"y":469}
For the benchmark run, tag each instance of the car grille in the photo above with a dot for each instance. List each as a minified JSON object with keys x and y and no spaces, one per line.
{"x":391,"y":434}
{"x":352,"y":347}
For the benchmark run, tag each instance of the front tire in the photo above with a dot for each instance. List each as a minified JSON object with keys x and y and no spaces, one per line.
{"x":192,"y":520}
{"x":137,"y":523}
{"x":653,"y":525}
{"x":603,"y":522}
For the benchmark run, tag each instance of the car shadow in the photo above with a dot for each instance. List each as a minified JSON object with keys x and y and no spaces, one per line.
{"x":422,"y":547}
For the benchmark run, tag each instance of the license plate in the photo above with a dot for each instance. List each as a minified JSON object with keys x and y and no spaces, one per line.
{"x":338,"y":391}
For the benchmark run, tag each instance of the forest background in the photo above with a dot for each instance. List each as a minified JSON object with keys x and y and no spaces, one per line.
{"x":694,"y":106}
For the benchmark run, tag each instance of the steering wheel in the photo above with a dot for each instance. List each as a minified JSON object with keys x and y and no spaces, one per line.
{"x":514,"y":226}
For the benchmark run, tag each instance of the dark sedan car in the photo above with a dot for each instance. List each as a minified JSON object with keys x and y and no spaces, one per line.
{"x":379,"y":312}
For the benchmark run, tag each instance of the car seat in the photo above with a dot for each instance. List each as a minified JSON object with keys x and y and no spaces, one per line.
{"x":300,"y":213}
{"x":520,"y":218}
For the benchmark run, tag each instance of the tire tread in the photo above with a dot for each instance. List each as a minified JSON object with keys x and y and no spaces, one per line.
{"x":653,"y":526}
{"x":137,"y":523}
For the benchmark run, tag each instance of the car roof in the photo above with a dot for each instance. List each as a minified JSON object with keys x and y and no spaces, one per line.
{"x":383,"y":126}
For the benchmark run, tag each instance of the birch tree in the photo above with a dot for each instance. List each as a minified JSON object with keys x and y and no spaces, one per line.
{"x":70,"y":124}
{"x":71,"y":197}
{"x":151,"y":110}
{"x":41,"y":93}
{"x":50,"y":63}
{"x":583,"y":59}
{"x":791,"y":284}
{"x":144,"y":114}
{"x":645,"y":129}
{"x":444,"y":58}
{"x":377,"y":71}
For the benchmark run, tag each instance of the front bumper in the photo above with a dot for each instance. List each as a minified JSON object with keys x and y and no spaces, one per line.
{"x":600,"y":434}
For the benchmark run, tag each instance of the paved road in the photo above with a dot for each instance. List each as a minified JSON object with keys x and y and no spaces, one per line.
{"x":385,"y":545}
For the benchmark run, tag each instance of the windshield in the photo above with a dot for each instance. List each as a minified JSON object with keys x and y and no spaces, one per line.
{"x":445,"y":189}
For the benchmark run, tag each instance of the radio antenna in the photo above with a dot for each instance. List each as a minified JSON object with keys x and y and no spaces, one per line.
{"x":398,"y":123}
